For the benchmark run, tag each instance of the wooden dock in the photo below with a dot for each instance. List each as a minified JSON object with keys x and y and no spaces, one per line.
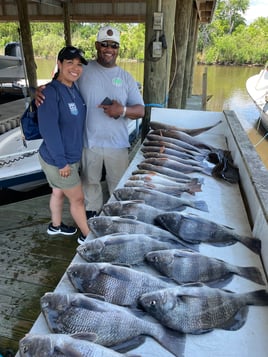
{"x":31,"y":263}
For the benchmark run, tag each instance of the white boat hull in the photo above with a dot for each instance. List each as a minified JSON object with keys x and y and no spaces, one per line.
{"x":257,"y":88}
{"x":20,"y":169}
{"x":11,"y":69}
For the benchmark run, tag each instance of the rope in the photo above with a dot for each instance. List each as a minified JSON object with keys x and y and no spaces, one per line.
{"x":18,"y":158}
{"x":263,"y":138}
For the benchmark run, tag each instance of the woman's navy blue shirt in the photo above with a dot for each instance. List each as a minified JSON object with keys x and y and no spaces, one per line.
{"x":61,"y":121}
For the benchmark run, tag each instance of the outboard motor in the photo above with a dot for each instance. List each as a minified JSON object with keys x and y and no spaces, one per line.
{"x":13,"y":49}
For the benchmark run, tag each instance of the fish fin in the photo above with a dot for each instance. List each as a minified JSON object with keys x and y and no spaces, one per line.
{"x":237,"y":321}
{"x":129,"y":216}
{"x":253,"y":244}
{"x":173,"y":341}
{"x":129,"y":345}
{"x":116,"y":274}
{"x":86,"y":336}
{"x":167,"y":279}
{"x":251,"y":273}
{"x":95,"y":296}
{"x":195,"y":284}
{"x":125,"y":265}
{"x":201,"y":331}
{"x":66,"y":351}
{"x":258,"y":297}
{"x":220,"y":283}
{"x":200,"y":205}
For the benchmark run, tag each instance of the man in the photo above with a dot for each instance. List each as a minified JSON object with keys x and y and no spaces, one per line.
{"x":106,"y":136}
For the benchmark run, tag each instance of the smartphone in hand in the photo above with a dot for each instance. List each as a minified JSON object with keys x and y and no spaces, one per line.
{"x":107,"y":101}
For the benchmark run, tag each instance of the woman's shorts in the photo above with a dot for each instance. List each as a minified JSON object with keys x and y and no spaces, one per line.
{"x":55,"y":180}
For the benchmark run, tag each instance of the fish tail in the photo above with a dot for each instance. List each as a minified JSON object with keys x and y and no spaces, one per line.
{"x":253,"y":244}
{"x":200,"y":205}
{"x":251,"y":273}
{"x":194,"y":187}
{"x":258,"y":297}
{"x":172,"y":340}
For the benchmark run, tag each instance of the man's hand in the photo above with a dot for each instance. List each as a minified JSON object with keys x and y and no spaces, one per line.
{"x":113,"y":110}
{"x":39,"y":96}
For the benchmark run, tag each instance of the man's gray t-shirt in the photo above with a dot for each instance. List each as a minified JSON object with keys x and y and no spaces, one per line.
{"x":96,"y":83}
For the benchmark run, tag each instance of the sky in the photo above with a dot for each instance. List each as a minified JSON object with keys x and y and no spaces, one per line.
{"x":257,"y":8}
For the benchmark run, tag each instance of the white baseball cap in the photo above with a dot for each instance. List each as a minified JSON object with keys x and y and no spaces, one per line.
{"x":108,"y":33}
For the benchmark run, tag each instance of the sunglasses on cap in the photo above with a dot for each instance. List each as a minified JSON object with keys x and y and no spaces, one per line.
{"x":106,"y":44}
{"x":74,"y":51}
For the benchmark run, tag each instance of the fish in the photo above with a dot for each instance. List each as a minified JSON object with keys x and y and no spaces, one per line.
{"x":197,"y":308}
{"x":164,"y":170}
{"x":188,"y":161}
{"x":113,"y":283}
{"x":153,"y":198}
{"x":122,"y":248}
{"x":191,"y":187}
{"x":185,"y":266}
{"x":103,"y":225}
{"x":195,"y":229}
{"x":56,"y":344}
{"x":182,"y":152}
{"x":104,"y":323}
{"x":182,"y":136}
{"x":162,"y":176}
{"x":191,"y":131}
{"x":174,"y":190}
{"x":178,"y":166}
{"x":188,"y":147}
{"x":170,"y":149}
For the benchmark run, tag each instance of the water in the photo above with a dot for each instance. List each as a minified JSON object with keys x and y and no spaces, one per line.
{"x":226,"y":84}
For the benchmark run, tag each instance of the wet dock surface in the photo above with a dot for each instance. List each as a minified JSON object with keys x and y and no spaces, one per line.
{"x":31,"y":263}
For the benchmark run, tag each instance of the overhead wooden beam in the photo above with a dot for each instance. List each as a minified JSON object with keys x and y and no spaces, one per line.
{"x":56,"y":3}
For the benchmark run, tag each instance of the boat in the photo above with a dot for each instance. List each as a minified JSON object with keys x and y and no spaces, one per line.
{"x":20,"y":169}
{"x":257,"y":88}
{"x":11,"y":64}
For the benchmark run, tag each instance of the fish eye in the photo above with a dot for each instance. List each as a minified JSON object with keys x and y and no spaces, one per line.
{"x":153,"y":302}
{"x":74,"y":273}
{"x":25,"y":349}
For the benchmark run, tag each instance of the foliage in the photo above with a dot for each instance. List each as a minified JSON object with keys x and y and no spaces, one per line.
{"x":48,"y":38}
{"x":228,"y":40}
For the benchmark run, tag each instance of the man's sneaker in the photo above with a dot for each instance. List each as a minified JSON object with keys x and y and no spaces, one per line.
{"x":62,"y":229}
{"x":81,"y":239}
{"x":91,"y":214}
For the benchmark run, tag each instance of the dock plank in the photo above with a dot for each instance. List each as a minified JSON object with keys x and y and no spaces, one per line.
{"x":31,"y":263}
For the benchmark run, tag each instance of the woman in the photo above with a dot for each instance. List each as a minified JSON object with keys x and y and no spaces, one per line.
{"x":61,"y":120}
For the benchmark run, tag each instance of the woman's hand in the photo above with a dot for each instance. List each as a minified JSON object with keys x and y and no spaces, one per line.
{"x":65,"y":171}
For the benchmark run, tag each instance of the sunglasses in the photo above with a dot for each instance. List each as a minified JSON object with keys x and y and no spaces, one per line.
{"x":113,"y":45}
{"x":75,"y":51}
